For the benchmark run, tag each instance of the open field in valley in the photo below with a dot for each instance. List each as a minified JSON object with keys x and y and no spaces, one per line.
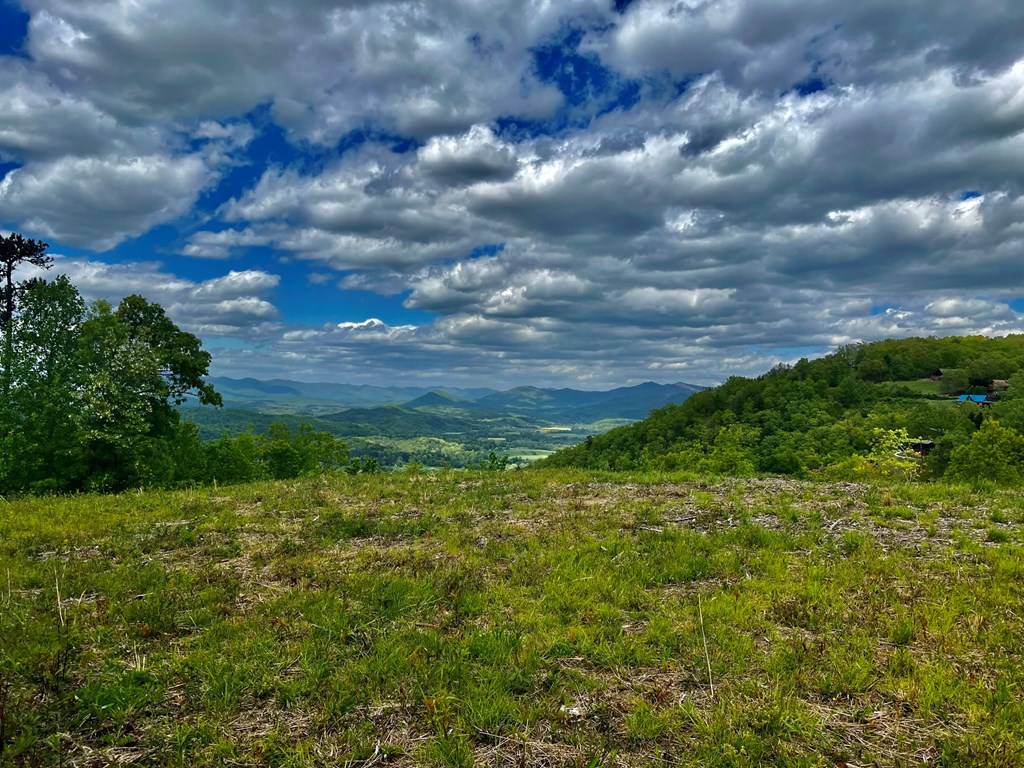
{"x":514,"y":618}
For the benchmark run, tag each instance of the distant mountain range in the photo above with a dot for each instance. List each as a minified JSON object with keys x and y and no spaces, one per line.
{"x":285,"y":396}
{"x":336,"y":401}
{"x":436,"y":427}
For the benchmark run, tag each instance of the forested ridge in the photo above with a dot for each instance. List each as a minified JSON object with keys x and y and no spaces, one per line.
{"x":843,"y":415}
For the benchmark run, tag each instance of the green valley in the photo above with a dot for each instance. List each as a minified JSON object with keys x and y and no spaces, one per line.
{"x":450,"y":427}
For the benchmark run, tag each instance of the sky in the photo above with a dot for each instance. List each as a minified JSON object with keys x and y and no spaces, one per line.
{"x":584,"y":193}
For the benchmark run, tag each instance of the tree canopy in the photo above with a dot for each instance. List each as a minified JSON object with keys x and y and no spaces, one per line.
{"x":15,"y":251}
{"x":90,"y":391}
{"x":90,"y":395}
{"x":817,"y":415}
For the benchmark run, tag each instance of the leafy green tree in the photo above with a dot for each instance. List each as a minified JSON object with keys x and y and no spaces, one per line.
{"x":1016,"y":389}
{"x":889,"y":459}
{"x":937,"y":461}
{"x":929,"y":420}
{"x":494,"y":462}
{"x":992,"y":365}
{"x":234,"y":459}
{"x":118,"y":386}
{"x":363,"y":465}
{"x":45,"y":384}
{"x":732,"y":453}
{"x":91,"y":394}
{"x":283,"y":460}
{"x":994,"y":454}
{"x":890,"y":455}
{"x":782,"y":461}
{"x":306,"y":452}
{"x":136,"y":365}
{"x":177,"y":357}
{"x":280,"y":454}
{"x":873,"y":369}
{"x":954,"y":381}
{"x":321,"y":452}
{"x":186,"y":455}
{"x":15,"y":251}
{"x":851,"y":391}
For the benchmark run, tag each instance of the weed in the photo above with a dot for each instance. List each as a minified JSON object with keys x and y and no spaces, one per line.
{"x":6,"y":709}
{"x":997,"y":535}
{"x":902,"y":632}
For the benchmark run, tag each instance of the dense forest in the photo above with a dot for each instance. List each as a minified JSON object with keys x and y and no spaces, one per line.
{"x":855,"y":413}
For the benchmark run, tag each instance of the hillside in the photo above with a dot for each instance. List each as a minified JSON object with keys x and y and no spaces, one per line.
{"x":397,"y":435}
{"x":456,"y":427}
{"x":286,"y":396}
{"x":580,"y":406}
{"x":560,"y":405}
{"x":515,"y":618}
{"x":818,"y":414}
{"x":437,"y":398}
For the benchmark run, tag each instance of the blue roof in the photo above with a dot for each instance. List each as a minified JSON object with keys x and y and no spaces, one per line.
{"x":972,"y":399}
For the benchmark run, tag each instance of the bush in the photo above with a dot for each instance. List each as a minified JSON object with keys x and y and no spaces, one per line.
{"x":995,"y":454}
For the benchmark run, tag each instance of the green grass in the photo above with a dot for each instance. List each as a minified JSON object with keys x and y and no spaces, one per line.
{"x":920,"y":386}
{"x":529,"y":454}
{"x":515,"y":618}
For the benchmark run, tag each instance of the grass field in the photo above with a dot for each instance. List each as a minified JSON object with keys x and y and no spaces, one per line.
{"x":528,"y":454}
{"x":922,"y":386}
{"x":514,"y":618}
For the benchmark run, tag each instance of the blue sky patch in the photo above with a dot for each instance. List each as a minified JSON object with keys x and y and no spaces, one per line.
{"x":355,"y":139}
{"x":13,"y":29}
{"x":813,"y":84}
{"x":580,"y":78}
{"x":488,"y":249}
{"x":6,"y":168}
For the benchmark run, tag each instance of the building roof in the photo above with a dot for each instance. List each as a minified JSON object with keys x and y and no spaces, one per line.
{"x":973,"y":399}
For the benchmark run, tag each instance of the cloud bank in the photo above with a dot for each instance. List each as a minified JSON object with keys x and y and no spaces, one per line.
{"x":560,"y":193}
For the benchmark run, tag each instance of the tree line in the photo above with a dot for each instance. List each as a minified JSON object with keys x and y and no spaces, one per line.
{"x":88,"y":396}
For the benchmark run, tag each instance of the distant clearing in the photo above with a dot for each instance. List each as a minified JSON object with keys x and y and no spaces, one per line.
{"x":529,"y":455}
{"x":920,"y":386}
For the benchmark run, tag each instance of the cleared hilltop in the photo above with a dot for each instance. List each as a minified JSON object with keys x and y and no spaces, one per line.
{"x":514,"y":618}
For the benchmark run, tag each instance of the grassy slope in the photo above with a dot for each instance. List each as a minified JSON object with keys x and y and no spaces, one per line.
{"x":514,"y":618}
{"x":920,"y":386}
